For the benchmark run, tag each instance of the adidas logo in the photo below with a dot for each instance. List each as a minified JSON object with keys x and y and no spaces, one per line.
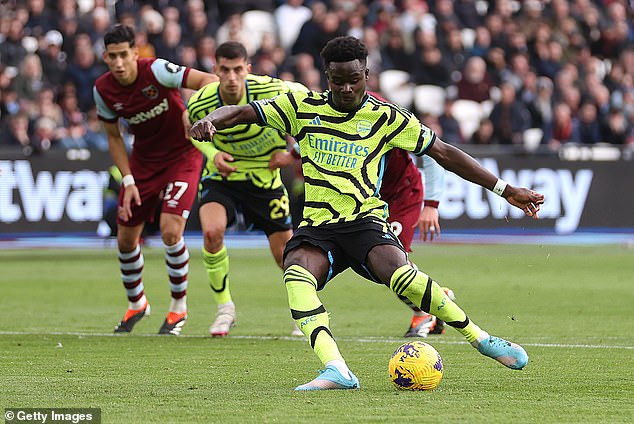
{"x":315,"y":121}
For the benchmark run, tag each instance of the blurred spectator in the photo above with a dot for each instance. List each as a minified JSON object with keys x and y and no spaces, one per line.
{"x":94,"y":136}
{"x":483,"y":134}
{"x":530,"y":18}
{"x":45,"y":134}
{"x":311,"y":35}
{"x":563,"y":126}
{"x":587,"y":130}
{"x":197,"y":27}
{"x":481,"y":42}
{"x":29,"y":80}
{"x":99,"y":24}
{"x":45,"y":105}
{"x":40,"y":19}
{"x":617,"y":129}
{"x":84,"y":70}
{"x":583,"y":46}
{"x":10,"y":103}
{"x":510,"y":117}
{"x":468,"y":14}
{"x":152,"y":22}
{"x":206,"y":53}
{"x":54,"y":60}
{"x":69,"y":103}
{"x":446,"y":17}
{"x":541,"y":107}
{"x":289,"y":17}
{"x":395,"y":55}
{"x":11,"y":50}
{"x":431,"y":68}
{"x":234,"y":30}
{"x":145,"y":49}
{"x":375,"y":54}
{"x":450,"y":126}
{"x":517,"y":72}
{"x":170,"y":44}
{"x":69,"y":28}
{"x":475,"y":83}
{"x":454,"y":53}
{"x":16,"y":132}
{"x":549,"y":58}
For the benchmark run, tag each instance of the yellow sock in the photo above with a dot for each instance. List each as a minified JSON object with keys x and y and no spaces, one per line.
{"x":217,"y":266}
{"x":430,"y":297}
{"x":309,"y":313}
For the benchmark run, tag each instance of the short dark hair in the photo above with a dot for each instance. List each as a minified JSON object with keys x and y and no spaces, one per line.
{"x":344,"y":49}
{"x":119,"y":34}
{"x":232,"y":50}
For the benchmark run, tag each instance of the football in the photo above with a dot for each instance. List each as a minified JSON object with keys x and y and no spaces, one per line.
{"x":416,"y":366}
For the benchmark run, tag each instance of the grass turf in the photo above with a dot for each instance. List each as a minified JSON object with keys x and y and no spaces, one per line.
{"x":569,"y":306}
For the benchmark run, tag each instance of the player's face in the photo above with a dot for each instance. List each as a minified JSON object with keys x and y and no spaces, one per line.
{"x":232,"y":73}
{"x":347,"y":83}
{"x":121,"y":60}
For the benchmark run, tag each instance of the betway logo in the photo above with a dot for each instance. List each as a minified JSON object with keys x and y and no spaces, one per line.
{"x":152,"y":113}
{"x":48,"y":196}
{"x":565,"y":190}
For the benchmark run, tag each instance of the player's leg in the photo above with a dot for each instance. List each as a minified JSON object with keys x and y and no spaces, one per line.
{"x":213,"y":220}
{"x":402,"y":222}
{"x":390,"y":266}
{"x":405,"y":207}
{"x":277,"y":242}
{"x":131,"y":264}
{"x":179,"y":191}
{"x":307,"y":267}
{"x":177,"y":262}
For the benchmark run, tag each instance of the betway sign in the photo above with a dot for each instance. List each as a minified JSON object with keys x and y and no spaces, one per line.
{"x":49,"y":200}
{"x":54,"y":193}
{"x":566,"y":191}
{"x":578,"y":194}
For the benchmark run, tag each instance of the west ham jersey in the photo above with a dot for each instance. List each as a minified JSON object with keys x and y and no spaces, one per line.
{"x":153,"y":108}
{"x":400,"y":174}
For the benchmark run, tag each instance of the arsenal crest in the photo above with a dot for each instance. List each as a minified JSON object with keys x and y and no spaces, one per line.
{"x":151,"y":92}
{"x":364,"y":128}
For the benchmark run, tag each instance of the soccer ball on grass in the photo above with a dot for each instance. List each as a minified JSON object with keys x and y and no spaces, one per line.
{"x":416,"y":366}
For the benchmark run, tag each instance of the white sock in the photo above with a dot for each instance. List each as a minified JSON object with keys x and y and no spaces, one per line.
{"x":138,"y":304}
{"x":483,"y":335}
{"x":341,"y":366}
{"x":228,"y":304}
{"x":178,"y":306}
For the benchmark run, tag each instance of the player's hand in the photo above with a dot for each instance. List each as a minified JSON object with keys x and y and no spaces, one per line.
{"x":527,"y":200}
{"x":202,"y":130}
{"x":221,"y":162}
{"x":186,"y":124}
{"x":428,"y":224}
{"x":280,"y":159}
{"x":130,"y":194}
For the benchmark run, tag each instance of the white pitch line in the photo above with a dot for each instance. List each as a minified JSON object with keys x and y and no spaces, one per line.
{"x":289,"y":338}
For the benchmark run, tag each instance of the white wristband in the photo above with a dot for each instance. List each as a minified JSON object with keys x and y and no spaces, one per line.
{"x":500,"y":185}
{"x":127,"y":180}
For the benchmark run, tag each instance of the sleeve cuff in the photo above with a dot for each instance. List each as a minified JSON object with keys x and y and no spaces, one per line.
{"x":431,"y":203}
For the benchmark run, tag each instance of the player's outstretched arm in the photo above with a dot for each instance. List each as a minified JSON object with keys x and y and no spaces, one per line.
{"x":197,"y":79}
{"x":221,"y":118}
{"x":462,"y":164}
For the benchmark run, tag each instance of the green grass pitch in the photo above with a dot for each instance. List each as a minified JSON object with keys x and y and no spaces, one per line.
{"x":571,"y":308}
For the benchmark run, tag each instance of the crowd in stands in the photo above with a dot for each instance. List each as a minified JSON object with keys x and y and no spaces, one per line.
{"x":476,"y":71}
